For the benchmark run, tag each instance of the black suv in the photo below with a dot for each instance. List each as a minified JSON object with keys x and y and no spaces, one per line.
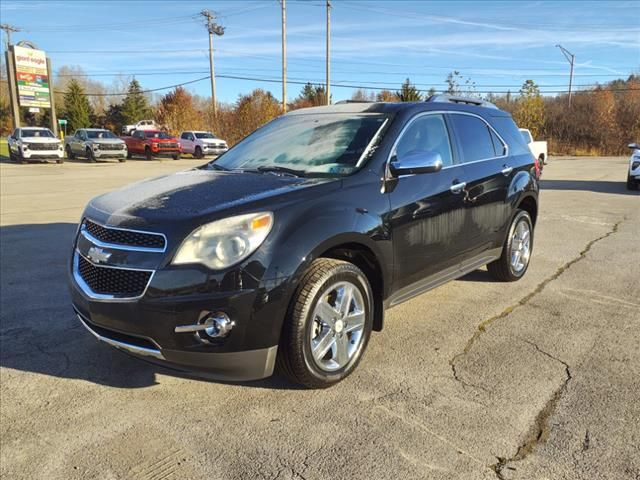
{"x":288,"y":248}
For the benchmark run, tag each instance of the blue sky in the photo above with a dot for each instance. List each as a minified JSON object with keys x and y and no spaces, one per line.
{"x":497,"y":44}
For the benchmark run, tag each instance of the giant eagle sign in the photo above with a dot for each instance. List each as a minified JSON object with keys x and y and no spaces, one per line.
{"x":32,"y":79}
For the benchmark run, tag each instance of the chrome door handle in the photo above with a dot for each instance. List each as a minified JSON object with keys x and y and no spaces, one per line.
{"x":507,"y":170}
{"x":457,"y":187}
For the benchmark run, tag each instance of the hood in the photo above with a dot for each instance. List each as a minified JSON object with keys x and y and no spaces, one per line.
{"x":213,"y":141}
{"x":190,"y":194}
{"x":40,"y":140}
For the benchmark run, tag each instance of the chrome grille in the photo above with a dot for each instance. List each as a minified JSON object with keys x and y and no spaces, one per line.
{"x":162,"y":146}
{"x":127,"y":238}
{"x":118,"y":282}
{"x":43,"y":146}
{"x":111,"y":146}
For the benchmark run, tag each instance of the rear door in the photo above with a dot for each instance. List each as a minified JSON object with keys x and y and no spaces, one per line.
{"x":427,"y":210}
{"x":487,"y":174}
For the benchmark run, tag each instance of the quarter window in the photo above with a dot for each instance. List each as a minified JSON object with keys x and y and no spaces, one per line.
{"x":426,"y":134}
{"x":498,"y":145}
{"x":474,"y":138}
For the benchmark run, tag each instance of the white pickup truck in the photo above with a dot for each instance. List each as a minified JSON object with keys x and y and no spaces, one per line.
{"x":199,"y":144}
{"x":141,"y":125}
{"x":538,"y":148}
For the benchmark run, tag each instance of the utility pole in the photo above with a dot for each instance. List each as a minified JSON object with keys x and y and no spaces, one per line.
{"x":328,"y":59}
{"x":571,"y":59}
{"x":212,"y":28}
{"x":284,"y":55}
{"x":8,"y":30}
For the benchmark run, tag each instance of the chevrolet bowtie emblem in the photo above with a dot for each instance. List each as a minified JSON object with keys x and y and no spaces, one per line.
{"x":98,"y":255}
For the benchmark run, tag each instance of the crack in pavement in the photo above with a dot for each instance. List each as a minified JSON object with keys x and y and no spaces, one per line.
{"x":540,"y":429}
{"x":484,"y":325}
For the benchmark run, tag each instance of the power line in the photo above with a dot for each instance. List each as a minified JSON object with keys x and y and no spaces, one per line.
{"x":142,"y":91}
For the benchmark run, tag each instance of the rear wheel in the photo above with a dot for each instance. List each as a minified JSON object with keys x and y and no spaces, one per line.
{"x":70,"y":154}
{"x":632,"y":183}
{"x":516,"y":253}
{"x":147,"y":153}
{"x":328,"y":327}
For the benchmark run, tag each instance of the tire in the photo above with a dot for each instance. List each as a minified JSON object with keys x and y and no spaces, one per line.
{"x":122,"y":160}
{"x":304,"y":325}
{"x":70,"y":154}
{"x":543,"y":160}
{"x":176,"y":156}
{"x":504,"y":269}
{"x":197,"y":153}
{"x":632,"y":184}
{"x":90,"y":156}
{"x":12,"y":157}
{"x":128,"y":154}
{"x":21,"y":159}
{"x":147,"y":153}
{"x":60,"y":160}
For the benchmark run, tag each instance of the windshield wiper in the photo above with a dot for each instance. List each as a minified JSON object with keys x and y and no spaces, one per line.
{"x":278,"y":169}
{"x":216,"y":167}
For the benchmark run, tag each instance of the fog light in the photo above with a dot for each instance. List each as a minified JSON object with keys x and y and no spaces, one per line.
{"x":215,"y":325}
{"x":218,"y":325}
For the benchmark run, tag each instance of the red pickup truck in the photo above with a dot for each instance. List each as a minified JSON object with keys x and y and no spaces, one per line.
{"x":152,"y":143}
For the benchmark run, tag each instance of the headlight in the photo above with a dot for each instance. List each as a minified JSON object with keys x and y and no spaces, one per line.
{"x":59,"y":146}
{"x":96,"y":146}
{"x":226,"y":242}
{"x":635,"y":164}
{"x":25,"y":146}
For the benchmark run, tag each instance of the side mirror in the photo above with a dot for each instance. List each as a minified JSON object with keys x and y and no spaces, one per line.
{"x":634,"y":146}
{"x":416,"y":162}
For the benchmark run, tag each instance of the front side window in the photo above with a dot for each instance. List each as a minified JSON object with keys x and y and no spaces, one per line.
{"x":313,"y":144}
{"x":184,"y":136}
{"x":426,"y":134}
{"x":474,"y":138}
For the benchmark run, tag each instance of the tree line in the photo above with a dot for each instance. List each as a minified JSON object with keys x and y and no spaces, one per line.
{"x":601,"y":121}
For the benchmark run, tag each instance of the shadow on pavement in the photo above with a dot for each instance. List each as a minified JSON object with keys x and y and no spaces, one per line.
{"x":40,"y":333}
{"x":597,"y":186}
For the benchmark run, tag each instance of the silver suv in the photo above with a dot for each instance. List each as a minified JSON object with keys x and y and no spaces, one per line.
{"x":94,"y":144}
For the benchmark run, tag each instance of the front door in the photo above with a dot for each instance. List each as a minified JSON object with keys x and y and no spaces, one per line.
{"x":427,"y":210}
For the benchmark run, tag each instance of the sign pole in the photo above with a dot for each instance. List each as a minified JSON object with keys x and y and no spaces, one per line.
{"x":54,"y":118}
{"x":13,"y":87}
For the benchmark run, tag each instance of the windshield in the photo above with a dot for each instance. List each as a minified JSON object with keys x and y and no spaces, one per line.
{"x":312,"y":144}
{"x":37,"y":133}
{"x":151,"y":134}
{"x":204,"y":135}
{"x":100,"y":134}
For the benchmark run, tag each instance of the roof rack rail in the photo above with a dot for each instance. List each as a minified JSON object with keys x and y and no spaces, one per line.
{"x":342,"y":102}
{"x":455,"y":99}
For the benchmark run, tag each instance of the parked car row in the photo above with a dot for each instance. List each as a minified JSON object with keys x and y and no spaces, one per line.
{"x":36,"y":143}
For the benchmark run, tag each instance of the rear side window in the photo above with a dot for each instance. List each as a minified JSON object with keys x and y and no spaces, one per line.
{"x":508,"y":130}
{"x":426,"y":134}
{"x":474,"y":138}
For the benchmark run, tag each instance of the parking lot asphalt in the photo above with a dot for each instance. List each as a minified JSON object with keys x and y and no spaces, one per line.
{"x":537,"y":379}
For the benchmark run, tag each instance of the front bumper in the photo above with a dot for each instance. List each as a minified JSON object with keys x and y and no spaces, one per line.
{"x":145,"y":324}
{"x":110,"y":153}
{"x":42,"y":154}
{"x":207,"y":150}
{"x":235,"y":366}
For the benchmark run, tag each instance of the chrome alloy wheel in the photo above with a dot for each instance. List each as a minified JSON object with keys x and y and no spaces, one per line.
{"x":338,"y":326}
{"x":520,"y":246}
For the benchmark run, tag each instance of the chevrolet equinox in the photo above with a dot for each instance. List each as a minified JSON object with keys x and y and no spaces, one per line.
{"x":287,"y":249}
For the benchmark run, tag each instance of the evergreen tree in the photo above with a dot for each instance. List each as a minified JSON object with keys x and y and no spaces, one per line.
{"x":530,"y":111}
{"x":77,"y":109}
{"x":134,"y":106}
{"x":409,"y":93}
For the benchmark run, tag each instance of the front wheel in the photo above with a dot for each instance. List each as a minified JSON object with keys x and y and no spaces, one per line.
{"x":328,"y":326}
{"x":632,"y":184}
{"x":176,"y":156}
{"x":516,"y":253}
{"x":198,"y":153}
{"x":90,"y":156}
{"x":147,"y":153}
